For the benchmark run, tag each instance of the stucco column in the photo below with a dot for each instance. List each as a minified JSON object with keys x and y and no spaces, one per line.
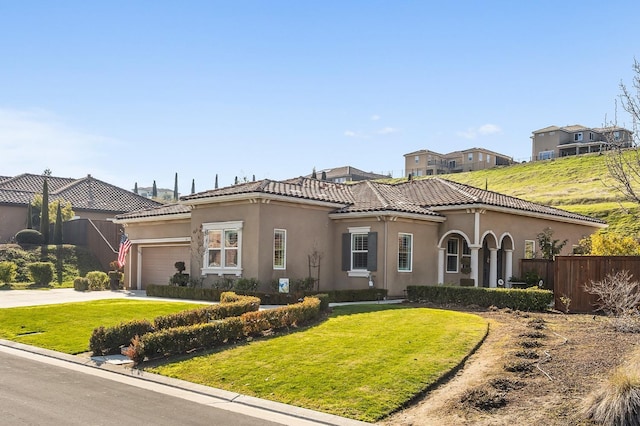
{"x":493,"y":267}
{"x":508,"y":265}
{"x":441,"y":266}
{"x":474,"y":265}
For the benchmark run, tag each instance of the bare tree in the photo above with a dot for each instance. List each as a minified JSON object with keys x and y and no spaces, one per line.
{"x":623,"y":164}
{"x":617,"y":294}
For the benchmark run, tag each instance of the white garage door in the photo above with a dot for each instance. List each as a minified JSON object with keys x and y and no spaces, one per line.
{"x":157,"y":263}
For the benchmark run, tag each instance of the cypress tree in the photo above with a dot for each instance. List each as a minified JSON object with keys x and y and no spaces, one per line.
{"x":193,"y":186}
{"x":135,"y":188}
{"x":236,"y":181}
{"x":44,"y":214}
{"x":216,"y":186}
{"x":29,"y":218}
{"x":254,"y":178}
{"x":324,"y":175}
{"x":175,"y":188}
{"x":154,"y":190}
{"x":313,"y":174}
{"x":57,"y":230}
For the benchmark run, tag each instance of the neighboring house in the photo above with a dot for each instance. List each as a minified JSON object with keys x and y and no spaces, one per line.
{"x":163,"y":193}
{"x":429,"y":163}
{"x":347,"y":174}
{"x":349,"y":236}
{"x":89,"y":197}
{"x":553,"y":141}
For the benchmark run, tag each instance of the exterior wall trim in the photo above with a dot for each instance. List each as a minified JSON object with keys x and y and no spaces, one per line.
{"x":173,"y":240}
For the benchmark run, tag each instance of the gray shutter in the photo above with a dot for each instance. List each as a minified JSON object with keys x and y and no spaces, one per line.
{"x":372,"y":255}
{"x":346,"y":252}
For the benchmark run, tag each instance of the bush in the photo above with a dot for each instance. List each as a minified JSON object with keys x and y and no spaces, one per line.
{"x":29,"y":236}
{"x":255,"y":323}
{"x":524,"y":300}
{"x":98,"y":280}
{"x":224,"y":283}
{"x":81,"y":284}
{"x":208,"y":313}
{"x":8,"y":272}
{"x":617,"y":294}
{"x":189,"y":293}
{"x":108,"y":340}
{"x":41,"y":272}
{"x":618,"y":401}
{"x":246,"y":284}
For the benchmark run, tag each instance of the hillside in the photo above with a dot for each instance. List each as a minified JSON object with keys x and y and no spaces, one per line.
{"x":578,"y":184}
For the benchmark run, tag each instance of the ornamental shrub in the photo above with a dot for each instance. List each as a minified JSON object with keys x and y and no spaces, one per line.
{"x":29,"y":236}
{"x":98,"y":280}
{"x":41,"y":272}
{"x":81,"y":284}
{"x":246,"y":284}
{"x":208,"y":313}
{"x":255,"y":323}
{"x":8,"y":272}
{"x":108,"y":340}
{"x":531,"y":299}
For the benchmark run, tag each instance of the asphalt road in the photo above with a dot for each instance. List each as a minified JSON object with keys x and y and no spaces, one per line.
{"x":35,"y":393}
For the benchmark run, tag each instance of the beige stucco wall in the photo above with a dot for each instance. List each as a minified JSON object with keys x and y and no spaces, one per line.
{"x":12,"y":220}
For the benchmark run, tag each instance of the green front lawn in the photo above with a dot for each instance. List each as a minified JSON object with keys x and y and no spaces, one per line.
{"x":365,"y":362}
{"x":67,"y":327}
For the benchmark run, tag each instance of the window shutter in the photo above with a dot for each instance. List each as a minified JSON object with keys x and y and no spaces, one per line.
{"x":372,"y":255}
{"x":346,"y":252}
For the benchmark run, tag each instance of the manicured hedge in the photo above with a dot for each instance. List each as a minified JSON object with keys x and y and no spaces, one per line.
{"x":524,"y":300}
{"x":225,"y":309}
{"x":211,"y":294}
{"x":179,"y":340}
{"x":81,"y":284}
{"x":108,"y":340}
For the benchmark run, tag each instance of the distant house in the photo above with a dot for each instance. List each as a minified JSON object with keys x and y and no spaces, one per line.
{"x":428,"y":163}
{"x":347,"y":174}
{"x":348,"y":236}
{"x":89,"y":197}
{"x":163,"y":193}
{"x":553,"y":141}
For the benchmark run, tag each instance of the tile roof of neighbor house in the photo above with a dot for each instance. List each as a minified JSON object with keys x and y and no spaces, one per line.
{"x":423,"y":197}
{"x":86,"y":193}
{"x":346,"y":171}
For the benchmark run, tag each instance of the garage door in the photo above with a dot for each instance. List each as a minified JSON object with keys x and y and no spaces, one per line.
{"x":157,"y":263}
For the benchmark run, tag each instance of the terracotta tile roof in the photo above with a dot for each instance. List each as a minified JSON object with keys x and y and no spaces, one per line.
{"x":84,"y":194}
{"x":344,"y":171}
{"x":424,"y":197}
{"x":165,"y":211}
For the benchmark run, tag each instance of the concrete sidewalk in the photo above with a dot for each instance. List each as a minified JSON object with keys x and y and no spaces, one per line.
{"x":251,"y":406}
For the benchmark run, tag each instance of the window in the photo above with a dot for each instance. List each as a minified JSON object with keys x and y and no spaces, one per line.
{"x":279,"y":249}
{"x":488,"y":158}
{"x":479,"y":156}
{"x":470,"y":156}
{"x":541,"y":135}
{"x":616,"y":135}
{"x":577,"y":137}
{"x":591,"y":136}
{"x":452,"y":255}
{"x":223,"y":245}
{"x":359,"y":251}
{"x":545,"y":155}
{"x":417,"y":159}
{"x":405,"y":248}
{"x":529,"y":249}
{"x":452,"y":164}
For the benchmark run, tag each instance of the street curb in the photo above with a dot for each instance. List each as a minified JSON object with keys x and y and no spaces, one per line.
{"x":223,"y":395}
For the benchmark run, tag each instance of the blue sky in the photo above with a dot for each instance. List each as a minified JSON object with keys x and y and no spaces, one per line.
{"x":136,"y":91}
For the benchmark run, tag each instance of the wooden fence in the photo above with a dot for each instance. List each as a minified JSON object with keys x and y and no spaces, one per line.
{"x":571,"y":273}
{"x":542,"y":268}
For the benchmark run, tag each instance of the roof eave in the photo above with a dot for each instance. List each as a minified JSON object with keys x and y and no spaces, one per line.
{"x":156,"y":218}
{"x":406,"y":215}
{"x":249,"y":196}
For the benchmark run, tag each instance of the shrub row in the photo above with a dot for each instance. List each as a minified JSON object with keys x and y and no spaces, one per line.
{"x":212,"y":294}
{"x":8,"y":272}
{"x":230,"y":306}
{"x":524,"y":300}
{"x":109,"y":340}
{"x":179,"y":340}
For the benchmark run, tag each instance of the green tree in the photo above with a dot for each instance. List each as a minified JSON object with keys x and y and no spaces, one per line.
{"x":610,"y":244}
{"x":57,"y":230}
{"x":549,"y":247}
{"x":175,"y":188}
{"x":135,"y":188}
{"x":29,"y":216}
{"x":44,"y":212}
{"x":67,"y":209}
{"x":313,"y":174}
{"x":216,"y":185}
{"x":193,"y":186}
{"x":154,"y":190}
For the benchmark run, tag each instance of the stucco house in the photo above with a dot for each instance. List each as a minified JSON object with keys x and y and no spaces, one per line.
{"x":349,"y":236}
{"x":553,"y":141}
{"x":90,"y":198}
{"x":430,"y":163}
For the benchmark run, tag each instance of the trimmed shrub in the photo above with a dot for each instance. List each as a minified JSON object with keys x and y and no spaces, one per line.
{"x":189,"y":293}
{"x":29,"y":236}
{"x":255,"y":323}
{"x":208,"y":313}
{"x":179,"y":340}
{"x":109,"y":340}
{"x":8,"y":272}
{"x":246,"y":284}
{"x":41,"y":272}
{"x":98,"y":280}
{"x":524,"y":300}
{"x":81,"y":284}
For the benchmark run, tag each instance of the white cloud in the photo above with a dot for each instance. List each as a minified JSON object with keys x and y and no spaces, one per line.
{"x":34,"y":140}
{"x":353,"y":134}
{"x":375,"y":117}
{"x":485,"y":129}
{"x":387,"y":130}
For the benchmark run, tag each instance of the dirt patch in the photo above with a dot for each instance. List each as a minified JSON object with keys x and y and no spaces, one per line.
{"x":532,"y":369}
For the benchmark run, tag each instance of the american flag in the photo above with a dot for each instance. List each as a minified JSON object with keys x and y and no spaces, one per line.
{"x":125,"y":245}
